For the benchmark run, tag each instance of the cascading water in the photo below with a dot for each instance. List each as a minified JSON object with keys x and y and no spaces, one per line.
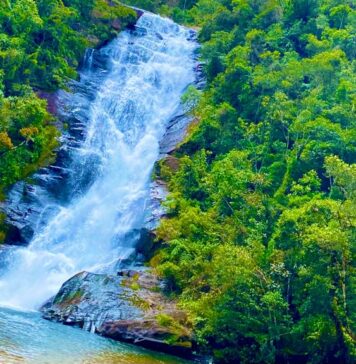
{"x":110,"y":170}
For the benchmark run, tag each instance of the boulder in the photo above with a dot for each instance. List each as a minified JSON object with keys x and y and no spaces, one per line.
{"x":129,"y":306}
{"x":175,"y":133}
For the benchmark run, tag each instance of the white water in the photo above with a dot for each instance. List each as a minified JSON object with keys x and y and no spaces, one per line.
{"x":127,"y":118}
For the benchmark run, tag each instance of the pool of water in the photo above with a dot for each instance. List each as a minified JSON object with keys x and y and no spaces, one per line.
{"x":27,"y":338}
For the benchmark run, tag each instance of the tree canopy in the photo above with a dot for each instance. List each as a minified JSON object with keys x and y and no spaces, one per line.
{"x":259,"y":243}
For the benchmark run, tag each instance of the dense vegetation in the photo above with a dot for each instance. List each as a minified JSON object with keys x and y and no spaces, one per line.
{"x":41,"y":43}
{"x":259,"y":244}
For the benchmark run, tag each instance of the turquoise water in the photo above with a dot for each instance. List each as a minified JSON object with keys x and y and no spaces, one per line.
{"x":27,"y":338}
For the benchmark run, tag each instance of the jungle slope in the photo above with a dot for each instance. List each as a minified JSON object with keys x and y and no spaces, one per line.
{"x":259,"y":243}
{"x":41,"y":45}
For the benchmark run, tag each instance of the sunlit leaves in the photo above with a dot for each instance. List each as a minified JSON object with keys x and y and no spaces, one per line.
{"x":263,"y":226}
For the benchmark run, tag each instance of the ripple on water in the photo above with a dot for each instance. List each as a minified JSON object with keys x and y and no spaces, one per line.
{"x":26,"y":338}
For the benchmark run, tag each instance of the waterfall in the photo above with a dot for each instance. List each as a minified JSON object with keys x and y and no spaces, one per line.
{"x":125,"y":109}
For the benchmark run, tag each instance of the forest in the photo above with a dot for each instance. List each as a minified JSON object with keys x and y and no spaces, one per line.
{"x":259,"y":245}
{"x":259,"y":241}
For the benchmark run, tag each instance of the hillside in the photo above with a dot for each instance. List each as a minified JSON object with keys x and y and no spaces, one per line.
{"x":259,"y":245}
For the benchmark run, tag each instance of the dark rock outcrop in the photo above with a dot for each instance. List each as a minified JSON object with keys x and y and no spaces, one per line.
{"x":128,"y":307}
{"x":158,"y":194}
{"x":177,"y":126}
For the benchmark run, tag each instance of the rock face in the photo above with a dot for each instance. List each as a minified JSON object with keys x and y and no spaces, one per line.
{"x":177,"y":126}
{"x":128,"y":307}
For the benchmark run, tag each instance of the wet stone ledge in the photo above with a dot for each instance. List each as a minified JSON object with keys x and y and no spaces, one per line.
{"x":129,"y":307}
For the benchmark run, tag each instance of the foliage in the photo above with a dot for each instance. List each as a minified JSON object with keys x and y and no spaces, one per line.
{"x":259,"y":243}
{"x":178,"y":10}
{"x":41,"y":44}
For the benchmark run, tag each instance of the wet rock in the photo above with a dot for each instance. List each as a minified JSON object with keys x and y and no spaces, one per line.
{"x":175,"y":133}
{"x":178,"y":125}
{"x":19,"y":234}
{"x":158,"y":194}
{"x":139,"y":13}
{"x":147,"y":333}
{"x":128,"y":307}
{"x":145,"y":243}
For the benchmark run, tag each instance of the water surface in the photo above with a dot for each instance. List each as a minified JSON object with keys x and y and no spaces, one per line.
{"x":27,"y":338}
